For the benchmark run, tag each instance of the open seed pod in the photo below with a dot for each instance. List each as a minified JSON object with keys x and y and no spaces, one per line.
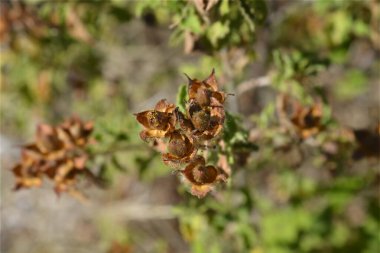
{"x":27,"y":172}
{"x":207,"y":121}
{"x":368,"y":143}
{"x":205,"y":92}
{"x":183,"y":134}
{"x":75,"y":132}
{"x":57,"y":154}
{"x":202,"y":178}
{"x":180,"y":149}
{"x":185,"y":124}
{"x":47,"y":142}
{"x":307,"y":120}
{"x":199,"y":116}
{"x":157,"y":122}
{"x":65,"y":173}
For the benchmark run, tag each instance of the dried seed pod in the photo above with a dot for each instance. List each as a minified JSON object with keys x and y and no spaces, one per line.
{"x":203,"y":121}
{"x":154,"y":119}
{"x":27,"y":173}
{"x":368,"y":143}
{"x":185,"y":124}
{"x":201,"y":177}
{"x":75,"y":132}
{"x":157,"y":122}
{"x":57,"y":154}
{"x":205,"y":92}
{"x":307,"y":120}
{"x":180,"y":149}
{"x":207,"y":121}
{"x":200,"y":117}
{"x":47,"y":140}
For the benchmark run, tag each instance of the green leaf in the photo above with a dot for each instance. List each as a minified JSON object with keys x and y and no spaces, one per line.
{"x":360,"y":28}
{"x":217,"y":31}
{"x":255,"y":11}
{"x":279,"y":226}
{"x":192,"y":23}
{"x":224,"y":8}
{"x":342,"y":25}
{"x":352,"y":84}
{"x":231,"y":127}
{"x":182,"y":97}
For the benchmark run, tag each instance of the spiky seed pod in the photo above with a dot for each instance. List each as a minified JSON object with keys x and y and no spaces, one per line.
{"x":203,"y":91}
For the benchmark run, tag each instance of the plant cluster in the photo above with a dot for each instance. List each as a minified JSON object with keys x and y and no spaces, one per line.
{"x":304,"y":120}
{"x":305,"y":77}
{"x":183,"y":134}
{"x":58,"y":153}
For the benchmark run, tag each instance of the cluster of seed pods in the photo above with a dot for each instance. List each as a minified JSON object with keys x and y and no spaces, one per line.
{"x":306,"y":120}
{"x":185,"y":135}
{"x":57,"y":154}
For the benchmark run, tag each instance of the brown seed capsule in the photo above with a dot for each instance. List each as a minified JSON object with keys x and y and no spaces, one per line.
{"x":201,"y":177}
{"x":184,"y":123}
{"x":180,"y":149}
{"x":368,"y":143}
{"x":75,"y":132}
{"x":47,"y":140}
{"x":178,"y":146}
{"x":307,"y":120}
{"x":154,"y":119}
{"x":205,"y":92}
{"x":157,"y":122}
{"x":200,"y":117}
{"x":57,"y":154}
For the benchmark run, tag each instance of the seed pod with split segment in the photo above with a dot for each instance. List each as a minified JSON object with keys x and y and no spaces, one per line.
{"x":157,"y":122}
{"x":207,"y":121}
{"x":199,"y":116}
{"x":202,"y":178}
{"x":180,"y":149}
{"x":307,"y":120}
{"x":206,"y":92}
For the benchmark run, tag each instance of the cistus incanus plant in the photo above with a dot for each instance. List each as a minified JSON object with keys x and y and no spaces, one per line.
{"x":184,"y":135}
{"x":58,"y":153}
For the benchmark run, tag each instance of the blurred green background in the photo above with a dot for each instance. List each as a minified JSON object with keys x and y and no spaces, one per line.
{"x":104,"y":60}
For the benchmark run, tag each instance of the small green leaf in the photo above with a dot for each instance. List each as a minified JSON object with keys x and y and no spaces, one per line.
{"x":192,"y":23}
{"x":352,"y":84}
{"x":224,"y":8}
{"x":182,"y":97}
{"x":217,"y":31}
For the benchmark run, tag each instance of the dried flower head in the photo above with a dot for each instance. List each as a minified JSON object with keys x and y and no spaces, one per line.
{"x":201,"y":177}
{"x":368,"y":143}
{"x":183,"y":134}
{"x":180,"y":149}
{"x":57,"y":154}
{"x":205,"y":92}
{"x":307,"y":120}
{"x":157,"y":122}
{"x":199,"y":116}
